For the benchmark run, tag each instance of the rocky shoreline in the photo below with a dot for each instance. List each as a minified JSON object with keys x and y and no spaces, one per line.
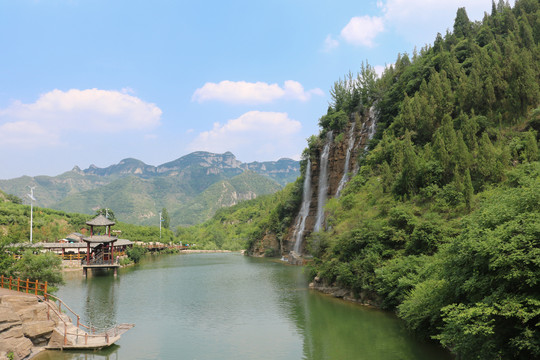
{"x":25,"y":329}
{"x":345,"y":294}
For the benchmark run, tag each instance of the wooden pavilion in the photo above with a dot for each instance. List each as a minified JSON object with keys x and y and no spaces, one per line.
{"x":100,"y":248}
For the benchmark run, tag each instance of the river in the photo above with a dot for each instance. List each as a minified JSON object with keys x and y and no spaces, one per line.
{"x":228,"y":306}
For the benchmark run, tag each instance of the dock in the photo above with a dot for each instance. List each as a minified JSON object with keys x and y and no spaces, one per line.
{"x":79,"y":336}
{"x":46,"y":321}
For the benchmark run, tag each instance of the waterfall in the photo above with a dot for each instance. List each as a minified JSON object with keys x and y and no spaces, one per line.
{"x":350,"y":146}
{"x":304,"y":209}
{"x":372,"y":119}
{"x":372,"y":127}
{"x":323,"y":183}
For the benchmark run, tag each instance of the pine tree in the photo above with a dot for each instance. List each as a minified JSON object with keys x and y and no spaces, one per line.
{"x":406,"y":181}
{"x":462,"y":24}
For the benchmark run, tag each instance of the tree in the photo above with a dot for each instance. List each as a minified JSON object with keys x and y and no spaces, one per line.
{"x":135,"y":253}
{"x":468,"y":190}
{"x":166,"y":221}
{"x":43,"y":267}
{"x":108,"y":213}
{"x":462,"y":24}
{"x":406,"y":181}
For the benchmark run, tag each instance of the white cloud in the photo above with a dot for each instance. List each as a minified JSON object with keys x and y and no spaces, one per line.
{"x":242,"y":92}
{"x":330,"y":43}
{"x":362,"y":30}
{"x":417,"y":21}
{"x":46,"y":121}
{"x":254,"y":135}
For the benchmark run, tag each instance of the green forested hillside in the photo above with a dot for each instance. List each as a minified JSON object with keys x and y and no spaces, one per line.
{"x":50,"y":225}
{"x":238,"y":226}
{"x":442,"y":222}
{"x":245,"y":186}
{"x":138,"y":200}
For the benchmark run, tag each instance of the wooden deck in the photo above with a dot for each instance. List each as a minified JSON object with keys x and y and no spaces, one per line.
{"x":78,"y":336}
{"x":67,"y":333}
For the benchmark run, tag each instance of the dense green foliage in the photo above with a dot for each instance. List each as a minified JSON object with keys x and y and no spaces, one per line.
{"x":43,"y":267}
{"x":108,"y":213}
{"x":51,"y":225}
{"x":442,"y":222}
{"x":135,"y":253}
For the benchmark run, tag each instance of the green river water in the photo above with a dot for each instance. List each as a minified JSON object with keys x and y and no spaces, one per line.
{"x":228,"y":306}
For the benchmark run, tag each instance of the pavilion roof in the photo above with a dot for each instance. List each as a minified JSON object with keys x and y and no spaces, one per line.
{"x":100,"y":220}
{"x":100,"y":239}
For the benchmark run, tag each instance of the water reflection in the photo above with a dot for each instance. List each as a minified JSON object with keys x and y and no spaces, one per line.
{"x":227,"y":306}
{"x":101,"y":299}
{"x":111,"y":353}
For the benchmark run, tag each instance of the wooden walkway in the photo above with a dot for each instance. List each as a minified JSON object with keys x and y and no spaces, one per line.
{"x":67,"y":334}
{"x":80,"y":336}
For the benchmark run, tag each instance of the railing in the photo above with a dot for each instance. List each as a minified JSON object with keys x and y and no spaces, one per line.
{"x":90,"y":332}
{"x":30,"y":287}
{"x":37,"y":288}
{"x":72,"y":256}
{"x":164,"y":246}
{"x":98,"y":259}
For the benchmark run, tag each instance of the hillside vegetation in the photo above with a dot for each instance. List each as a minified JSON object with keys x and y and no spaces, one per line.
{"x":192,"y":187}
{"x":441,"y":224}
{"x":239,"y":226}
{"x":50,"y":225}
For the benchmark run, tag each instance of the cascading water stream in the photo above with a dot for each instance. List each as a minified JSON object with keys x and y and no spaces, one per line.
{"x":372,"y":127}
{"x":304,"y":209}
{"x":323,"y":183}
{"x":350,"y":146}
{"x":372,"y":119}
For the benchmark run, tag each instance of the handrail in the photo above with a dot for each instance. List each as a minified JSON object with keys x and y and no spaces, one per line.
{"x":37,"y":286}
{"x":105,"y":334}
{"x":10,"y":284}
{"x":79,"y":256}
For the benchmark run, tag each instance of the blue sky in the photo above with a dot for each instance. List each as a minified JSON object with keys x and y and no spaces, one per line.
{"x":96,"y":81}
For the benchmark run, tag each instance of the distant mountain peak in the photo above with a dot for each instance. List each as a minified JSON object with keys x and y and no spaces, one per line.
{"x":135,"y":190}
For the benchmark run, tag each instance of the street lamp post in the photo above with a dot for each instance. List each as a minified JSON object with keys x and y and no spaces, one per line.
{"x":160,"y":220}
{"x":31,"y":196}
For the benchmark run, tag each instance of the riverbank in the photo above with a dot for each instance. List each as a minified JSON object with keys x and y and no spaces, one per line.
{"x":25,"y":329}
{"x":205,"y":251}
{"x":344,"y":294}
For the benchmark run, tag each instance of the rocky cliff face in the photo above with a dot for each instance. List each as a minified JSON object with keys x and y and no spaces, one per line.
{"x":344,"y":151}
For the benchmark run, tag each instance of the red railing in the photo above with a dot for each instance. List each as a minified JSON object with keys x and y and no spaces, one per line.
{"x":37,"y":288}
{"x":30,"y":287}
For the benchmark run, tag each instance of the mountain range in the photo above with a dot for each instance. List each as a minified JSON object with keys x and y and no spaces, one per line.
{"x":192,"y":188}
